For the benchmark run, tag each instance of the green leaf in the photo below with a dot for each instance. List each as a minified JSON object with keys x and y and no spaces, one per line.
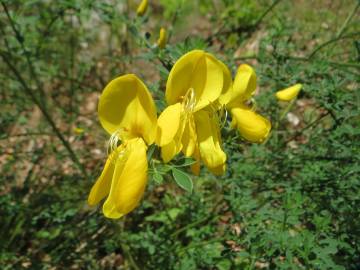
{"x":158,"y":178}
{"x":182,"y":179}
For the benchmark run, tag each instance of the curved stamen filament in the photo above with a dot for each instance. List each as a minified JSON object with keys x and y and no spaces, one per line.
{"x":252,"y":104}
{"x":222,"y":116}
{"x":113,"y":151}
{"x":189,"y":100}
{"x":112,"y":143}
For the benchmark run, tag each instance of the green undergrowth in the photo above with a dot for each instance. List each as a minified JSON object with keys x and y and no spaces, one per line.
{"x":289,"y":203}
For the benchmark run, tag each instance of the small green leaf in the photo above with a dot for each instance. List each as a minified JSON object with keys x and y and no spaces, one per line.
{"x":151,"y":151}
{"x":182,"y":179}
{"x":158,"y":178}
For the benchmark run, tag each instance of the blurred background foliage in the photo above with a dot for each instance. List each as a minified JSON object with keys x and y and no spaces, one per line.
{"x":289,"y":203}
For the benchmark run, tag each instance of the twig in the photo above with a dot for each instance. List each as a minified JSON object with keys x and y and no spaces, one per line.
{"x":194,"y":224}
{"x":204,"y":243}
{"x":271,"y":7}
{"x":27,"y":134}
{"x":20,"y":38}
{"x":323,"y":45}
{"x":298,"y":133}
{"x":46,"y":114}
{"x":348,"y":19}
{"x":126,"y":250}
{"x":240,"y":28}
{"x":46,"y":32}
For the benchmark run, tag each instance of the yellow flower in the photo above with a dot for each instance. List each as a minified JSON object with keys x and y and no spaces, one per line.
{"x":127,"y":111}
{"x":78,"y":131}
{"x":142,"y":8}
{"x":162,"y":38}
{"x":188,"y":124}
{"x":289,"y":93}
{"x":253,"y":127}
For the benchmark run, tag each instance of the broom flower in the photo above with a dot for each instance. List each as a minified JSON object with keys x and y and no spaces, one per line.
{"x":251,"y":126}
{"x":289,"y":93}
{"x":142,"y":7}
{"x":195,"y":82}
{"x":126,"y":111}
{"x":161,"y":42}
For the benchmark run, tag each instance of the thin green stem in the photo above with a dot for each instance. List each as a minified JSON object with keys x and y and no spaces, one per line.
{"x":307,"y":127}
{"x":348,"y":19}
{"x":193,"y":224}
{"x":249,"y":29}
{"x":281,"y":117}
{"x":20,"y":38}
{"x":126,"y":250}
{"x":46,"y":114}
{"x":204,"y":243}
{"x":327,"y":43}
{"x":286,"y":110}
{"x":271,"y":7}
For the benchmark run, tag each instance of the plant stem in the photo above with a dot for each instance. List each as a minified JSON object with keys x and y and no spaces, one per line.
{"x":348,"y":19}
{"x":271,"y":7}
{"x":20,"y":38}
{"x":286,"y":110}
{"x":323,"y":45}
{"x":46,"y":114}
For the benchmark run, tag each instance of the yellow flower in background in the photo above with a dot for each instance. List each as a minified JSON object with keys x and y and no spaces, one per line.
{"x":162,"y":38}
{"x":195,"y":82}
{"x":127,"y":112}
{"x":78,"y":131}
{"x":142,"y":8}
{"x":289,"y":93}
{"x":251,"y":126}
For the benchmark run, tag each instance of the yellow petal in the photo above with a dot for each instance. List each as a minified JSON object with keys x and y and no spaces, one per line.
{"x":78,"y":131}
{"x":168,"y":124}
{"x":227,"y":91}
{"x":162,"y":38}
{"x":199,"y":71}
{"x":102,"y":186}
{"x":208,"y":133}
{"x":252,"y":126}
{"x":129,"y":180}
{"x":169,"y":151}
{"x":244,"y":85}
{"x":142,"y":8}
{"x":220,"y":170}
{"x":189,"y":139}
{"x":289,"y":93}
{"x":195,"y":168}
{"x":126,"y":106}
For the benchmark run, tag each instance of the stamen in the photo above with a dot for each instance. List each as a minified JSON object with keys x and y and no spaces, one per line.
{"x":252,"y":104}
{"x":222,"y":112}
{"x":114,"y":156}
{"x":112,"y":143}
{"x":189,"y":100}
{"x":112,"y":146}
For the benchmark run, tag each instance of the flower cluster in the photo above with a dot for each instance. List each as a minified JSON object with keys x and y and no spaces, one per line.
{"x":199,"y":86}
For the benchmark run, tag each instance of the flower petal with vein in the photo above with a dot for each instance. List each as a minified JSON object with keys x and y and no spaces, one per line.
{"x":126,"y":111}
